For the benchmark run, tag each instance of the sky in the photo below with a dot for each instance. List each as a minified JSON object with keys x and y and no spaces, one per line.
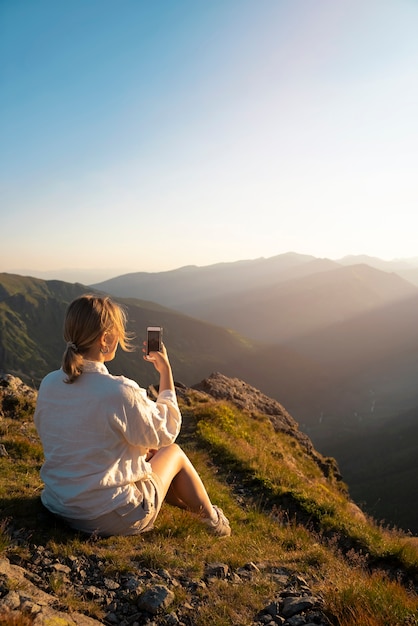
{"x":145,"y":136}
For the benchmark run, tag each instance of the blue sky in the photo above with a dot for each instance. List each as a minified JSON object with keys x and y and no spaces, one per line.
{"x":144,"y":136}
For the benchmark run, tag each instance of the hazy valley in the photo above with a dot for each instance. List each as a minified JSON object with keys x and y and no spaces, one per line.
{"x":335,"y":343}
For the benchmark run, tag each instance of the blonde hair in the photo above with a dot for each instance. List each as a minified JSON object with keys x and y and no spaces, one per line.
{"x":86,"y":319}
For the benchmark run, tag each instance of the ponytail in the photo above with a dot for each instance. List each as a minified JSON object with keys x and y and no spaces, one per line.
{"x":86,"y":319}
{"x":72,"y":362}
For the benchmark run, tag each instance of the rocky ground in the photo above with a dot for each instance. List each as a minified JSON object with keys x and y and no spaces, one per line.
{"x":140,"y":597}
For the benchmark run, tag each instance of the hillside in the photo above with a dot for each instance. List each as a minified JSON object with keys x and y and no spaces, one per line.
{"x":378,"y":459}
{"x":295,"y":307}
{"x":31,"y":313}
{"x":31,"y":344}
{"x":374,"y":355}
{"x":301,"y":552}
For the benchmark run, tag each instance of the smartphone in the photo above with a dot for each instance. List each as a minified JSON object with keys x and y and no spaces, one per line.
{"x":154,"y":338}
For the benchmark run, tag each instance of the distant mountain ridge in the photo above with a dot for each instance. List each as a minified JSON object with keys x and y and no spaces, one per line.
{"x":179,"y":286}
{"x":295,"y":307}
{"x":229,"y":276}
{"x":271,"y":299}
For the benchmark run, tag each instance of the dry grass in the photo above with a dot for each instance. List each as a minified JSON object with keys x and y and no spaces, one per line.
{"x":249,"y":471}
{"x":369,"y":600}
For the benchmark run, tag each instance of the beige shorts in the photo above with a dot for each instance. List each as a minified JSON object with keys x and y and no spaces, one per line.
{"x":130,"y":519}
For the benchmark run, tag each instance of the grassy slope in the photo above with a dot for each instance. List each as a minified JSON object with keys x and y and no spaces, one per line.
{"x":283,"y":511}
{"x":31,"y":317}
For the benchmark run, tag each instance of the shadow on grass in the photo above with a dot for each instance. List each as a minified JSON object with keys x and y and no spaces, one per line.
{"x":27,"y":517}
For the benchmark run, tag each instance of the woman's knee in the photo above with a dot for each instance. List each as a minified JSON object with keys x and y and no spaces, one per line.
{"x":167,"y":462}
{"x":173,"y":451}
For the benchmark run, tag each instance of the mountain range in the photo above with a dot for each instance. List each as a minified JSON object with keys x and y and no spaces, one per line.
{"x":334,"y":342}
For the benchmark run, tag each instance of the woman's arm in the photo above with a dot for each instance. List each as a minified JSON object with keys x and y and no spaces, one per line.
{"x":163,"y":367}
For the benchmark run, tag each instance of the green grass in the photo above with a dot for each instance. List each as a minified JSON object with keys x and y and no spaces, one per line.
{"x":284,"y":513}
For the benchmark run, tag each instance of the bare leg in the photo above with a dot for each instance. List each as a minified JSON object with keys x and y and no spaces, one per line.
{"x":182,"y":484}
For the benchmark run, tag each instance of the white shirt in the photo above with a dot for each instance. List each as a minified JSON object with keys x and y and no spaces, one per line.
{"x":95,"y":434}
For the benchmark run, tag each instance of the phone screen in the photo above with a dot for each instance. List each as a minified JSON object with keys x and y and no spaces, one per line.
{"x":153,"y":339}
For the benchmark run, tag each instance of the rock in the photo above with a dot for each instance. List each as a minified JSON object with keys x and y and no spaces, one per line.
{"x":59,"y":567}
{"x":297,"y":620}
{"x":273,"y":609}
{"x":110,"y":584}
{"x":293,"y":606}
{"x":31,"y":599}
{"x":15,"y":396}
{"x":94,"y":592}
{"x":216,"y":570}
{"x":156,"y":598}
{"x":11,"y":601}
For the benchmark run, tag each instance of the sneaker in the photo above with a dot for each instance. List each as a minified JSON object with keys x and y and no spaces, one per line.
{"x":221,"y":526}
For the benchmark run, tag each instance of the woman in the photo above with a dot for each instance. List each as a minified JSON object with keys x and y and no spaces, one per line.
{"x":110,"y":456}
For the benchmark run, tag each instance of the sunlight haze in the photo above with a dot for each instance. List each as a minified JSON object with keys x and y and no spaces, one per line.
{"x":144,"y":136}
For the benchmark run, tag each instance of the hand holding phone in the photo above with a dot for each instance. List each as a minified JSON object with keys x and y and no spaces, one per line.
{"x":154,"y":344}
{"x":154,"y":338}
